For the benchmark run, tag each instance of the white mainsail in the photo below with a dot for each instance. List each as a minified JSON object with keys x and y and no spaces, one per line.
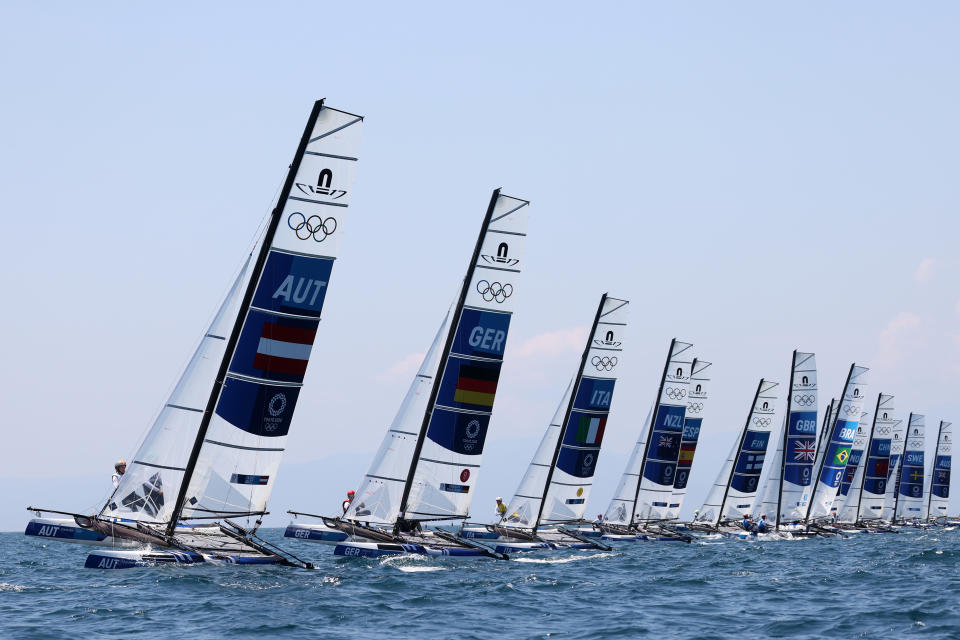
{"x":897,"y":441}
{"x":910,"y":502}
{"x":843,"y":431}
{"x":621,"y":505}
{"x":847,"y":503}
{"x":938,"y":497}
{"x":692,"y":423}
{"x":557,"y":483}
{"x":428,"y":464}
{"x":876,"y":463}
{"x":662,"y":452}
{"x":735,"y":488}
{"x":225,"y":429}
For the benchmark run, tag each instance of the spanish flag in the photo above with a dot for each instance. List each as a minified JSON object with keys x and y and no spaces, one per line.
{"x":476,"y":385}
{"x":686,"y":454}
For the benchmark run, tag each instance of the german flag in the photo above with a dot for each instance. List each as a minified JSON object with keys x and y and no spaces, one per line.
{"x":686,"y":455}
{"x":476,"y":385}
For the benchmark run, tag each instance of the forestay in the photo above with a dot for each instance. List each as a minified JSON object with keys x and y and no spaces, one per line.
{"x":910,"y":500}
{"x":939,"y":495}
{"x":692,"y":422}
{"x":558,"y":493}
{"x":842,"y":435}
{"x":662,"y":452}
{"x":736,"y":485}
{"x":224,"y":430}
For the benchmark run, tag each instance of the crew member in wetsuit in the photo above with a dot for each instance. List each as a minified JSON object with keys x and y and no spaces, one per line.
{"x":120,"y":468}
{"x":501,"y":509}
{"x":346,"y":502}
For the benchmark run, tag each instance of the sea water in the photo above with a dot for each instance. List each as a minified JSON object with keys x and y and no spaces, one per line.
{"x":867,"y":586}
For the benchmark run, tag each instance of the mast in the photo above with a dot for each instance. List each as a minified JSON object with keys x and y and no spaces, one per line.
{"x":743,"y":436}
{"x":451,"y":334}
{"x":241,"y":314}
{"x":566,"y":416}
{"x":786,"y":431}
{"x":866,"y":459}
{"x":815,"y":480}
{"x":933,"y":469}
{"x":646,"y":449}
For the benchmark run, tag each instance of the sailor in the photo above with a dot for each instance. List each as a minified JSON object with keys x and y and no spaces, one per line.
{"x":347,"y":501}
{"x":762,"y":526}
{"x":746,"y":522}
{"x":599,"y":519}
{"x":501,"y":508}
{"x":120,"y":468}
{"x":696,"y":514}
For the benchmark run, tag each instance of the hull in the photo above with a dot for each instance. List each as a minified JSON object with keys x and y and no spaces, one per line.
{"x":319,"y":533}
{"x":116,"y":559}
{"x":352,"y":549}
{"x":66,"y":530}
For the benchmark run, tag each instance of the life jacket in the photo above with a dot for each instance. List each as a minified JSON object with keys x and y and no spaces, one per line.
{"x":346,"y":505}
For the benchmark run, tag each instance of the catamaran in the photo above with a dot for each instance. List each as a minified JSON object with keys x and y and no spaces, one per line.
{"x":870,"y":483}
{"x":909,"y":504}
{"x":938,"y":497}
{"x":848,"y":495}
{"x":198,"y":486}
{"x":550,"y":502}
{"x":429,"y":460}
{"x":892,"y":490}
{"x":639,"y":508}
{"x":787,"y":491}
{"x":736,"y":485}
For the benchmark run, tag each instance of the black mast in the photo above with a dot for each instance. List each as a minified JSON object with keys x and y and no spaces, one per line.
{"x":653,"y":421}
{"x":786,"y":431}
{"x":451,"y":334}
{"x":743,"y":436}
{"x":566,"y":415}
{"x":826,"y":444}
{"x":933,"y":469}
{"x":863,"y":480}
{"x":241,"y":315}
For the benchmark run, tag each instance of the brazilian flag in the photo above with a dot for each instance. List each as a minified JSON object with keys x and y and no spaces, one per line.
{"x":841,"y":457}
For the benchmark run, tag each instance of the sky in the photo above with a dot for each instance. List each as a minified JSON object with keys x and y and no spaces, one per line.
{"x":754,"y":177}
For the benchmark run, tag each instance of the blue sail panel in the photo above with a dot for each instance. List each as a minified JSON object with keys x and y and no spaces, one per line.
{"x":749,"y":463}
{"x":578,"y":462}
{"x":460,"y":432}
{"x":594,"y":394}
{"x":838,"y":452}
{"x":257,"y":408}
{"x":481,"y":334}
{"x":293,"y":284}
{"x":663,"y":450}
{"x":688,"y":447}
{"x":878,"y":467}
{"x":851,"y":469}
{"x":911,"y":475}
{"x":469,"y":384}
{"x":274,"y":347}
{"x":801,"y":448}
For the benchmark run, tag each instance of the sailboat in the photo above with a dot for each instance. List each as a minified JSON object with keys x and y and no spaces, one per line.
{"x":835,"y":452}
{"x":199,"y":484}
{"x":787,"y":491}
{"x":692,"y":423}
{"x":735,"y":488}
{"x":891,"y":494}
{"x":639,"y":508}
{"x":909,"y":502}
{"x":938,"y":497}
{"x":428,"y":463}
{"x":848,"y":494}
{"x":553,"y":494}
{"x":870,"y":484}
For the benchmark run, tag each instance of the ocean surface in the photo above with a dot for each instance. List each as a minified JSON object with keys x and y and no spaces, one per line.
{"x":868,"y":586}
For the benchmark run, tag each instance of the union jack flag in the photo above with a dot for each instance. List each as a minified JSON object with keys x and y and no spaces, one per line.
{"x":804,"y":450}
{"x":665,"y":441}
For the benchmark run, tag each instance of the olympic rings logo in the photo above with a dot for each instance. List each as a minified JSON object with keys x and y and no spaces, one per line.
{"x":761,"y":422}
{"x":804,"y":400}
{"x":851,"y":411}
{"x":603,"y":363}
{"x":676,"y":393}
{"x":588,"y":461}
{"x":277,"y":404}
{"x":494,"y":291}
{"x":695,"y":407}
{"x":883,"y":430}
{"x":314,"y":227}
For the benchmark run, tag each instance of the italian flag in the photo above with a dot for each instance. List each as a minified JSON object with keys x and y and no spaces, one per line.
{"x":590,"y":430}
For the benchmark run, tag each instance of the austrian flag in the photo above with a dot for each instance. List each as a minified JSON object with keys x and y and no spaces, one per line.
{"x":284,"y":349}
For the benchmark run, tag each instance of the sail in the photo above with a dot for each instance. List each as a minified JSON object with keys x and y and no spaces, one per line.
{"x":240,"y":422}
{"x":847,"y":502}
{"x":658,"y":470}
{"x":692,"y":422}
{"x":897,"y":440}
{"x":450,"y":447}
{"x":378,"y":497}
{"x":876,"y":466}
{"x":939,"y":495}
{"x":154,"y":474}
{"x":621,"y":505}
{"x":842,"y":434}
{"x":910,"y":502}
{"x":799,"y":446}
{"x":574,"y":462}
{"x":736,"y":485}
{"x":525,"y":504}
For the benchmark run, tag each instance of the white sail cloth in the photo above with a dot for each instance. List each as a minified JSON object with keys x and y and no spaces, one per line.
{"x":897,"y":442}
{"x":910,"y":501}
{"x":697,"y":404}
{"x":876,"y":464}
